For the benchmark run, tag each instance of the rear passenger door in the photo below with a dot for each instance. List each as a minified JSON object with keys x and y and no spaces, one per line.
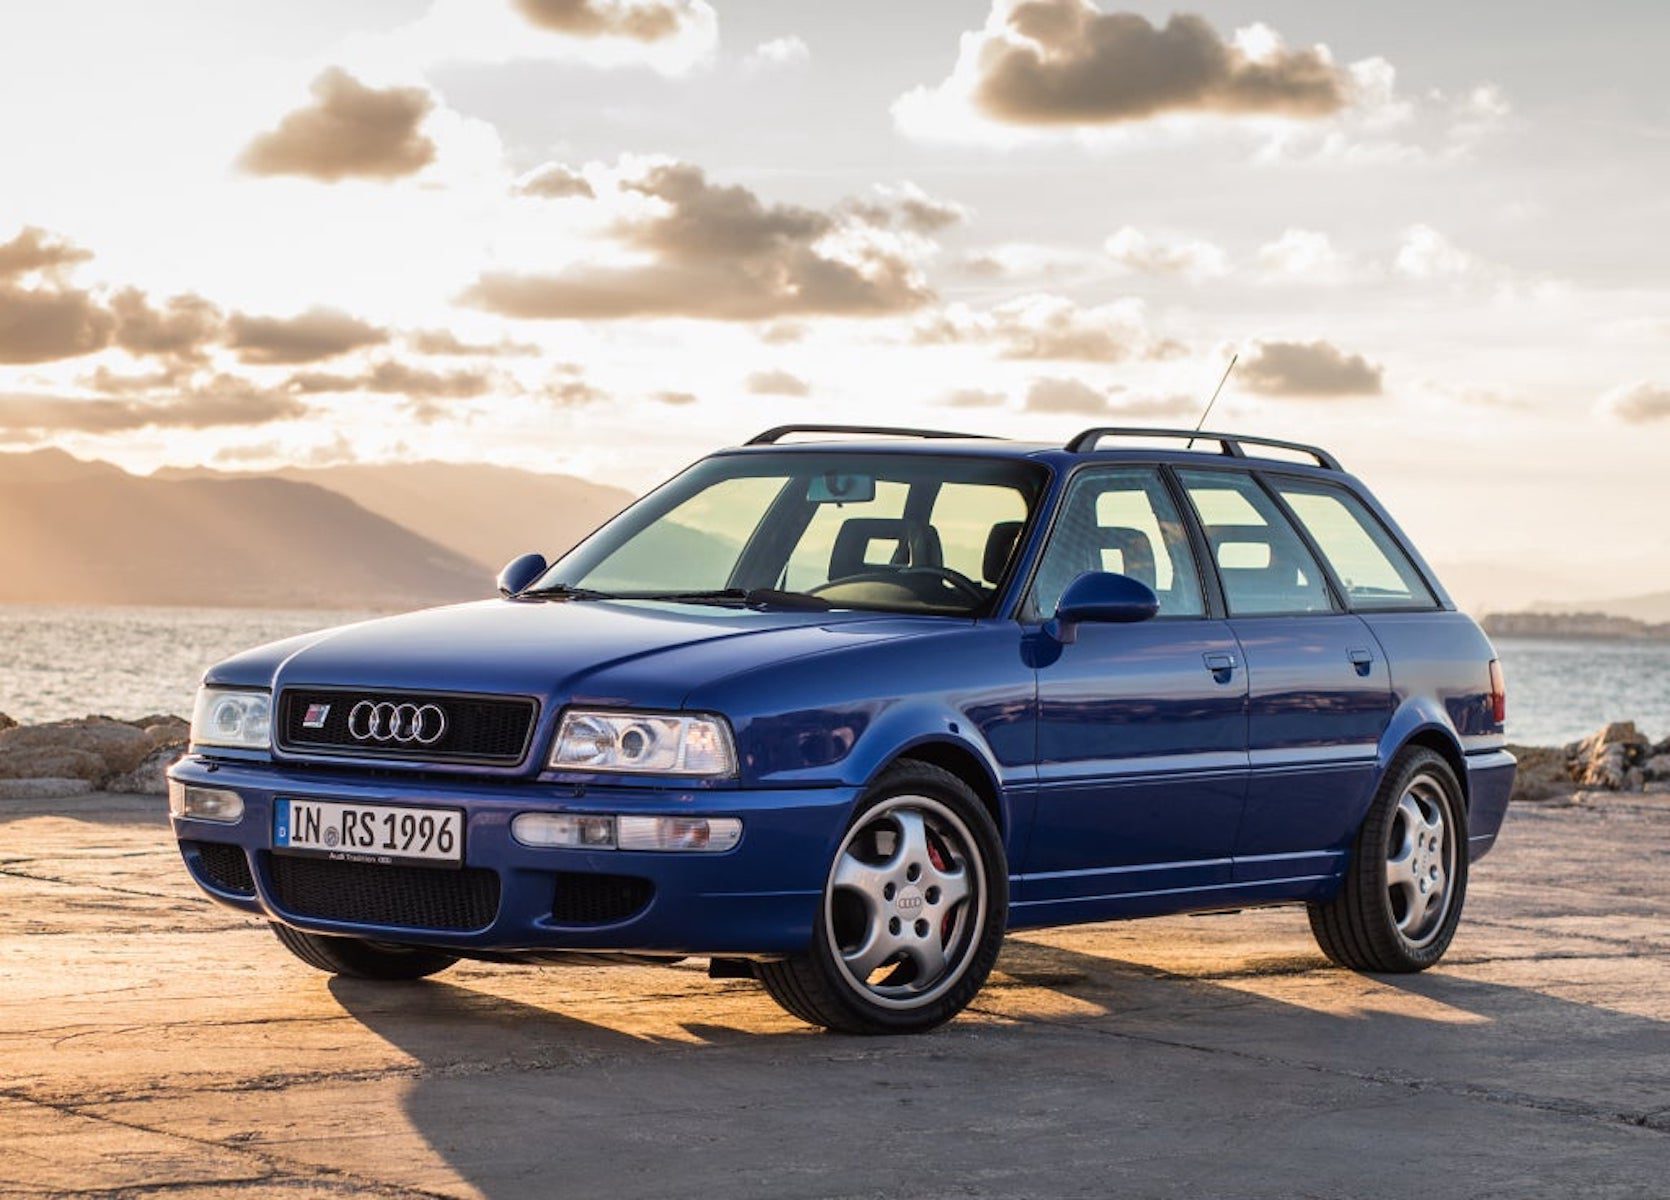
{"x":1141,"y":728}
{"x":1319,"y":690}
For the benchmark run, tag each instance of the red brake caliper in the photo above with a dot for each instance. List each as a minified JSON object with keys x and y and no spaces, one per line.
{"x":938,"y":859}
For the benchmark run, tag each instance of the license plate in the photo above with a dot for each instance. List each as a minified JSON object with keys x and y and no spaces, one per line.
{"x":375,"y":833}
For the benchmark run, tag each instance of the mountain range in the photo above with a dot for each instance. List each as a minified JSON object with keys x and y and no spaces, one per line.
{"x":74,"y":531}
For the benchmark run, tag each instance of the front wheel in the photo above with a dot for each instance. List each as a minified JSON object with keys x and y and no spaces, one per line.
{"x":360,"y":959}
{"x":1399,"y":905}
{"x":912,"y":914}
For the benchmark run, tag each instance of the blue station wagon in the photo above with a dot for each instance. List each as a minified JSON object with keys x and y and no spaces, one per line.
{"x":836,"y":714}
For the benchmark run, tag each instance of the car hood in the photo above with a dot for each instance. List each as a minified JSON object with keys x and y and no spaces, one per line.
{"x":630,"y":652}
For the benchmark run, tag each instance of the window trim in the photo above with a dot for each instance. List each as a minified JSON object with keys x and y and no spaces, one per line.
{"x":1338,"y":606}
{"x":1026,"y":610}
{"x":1270,"y":481}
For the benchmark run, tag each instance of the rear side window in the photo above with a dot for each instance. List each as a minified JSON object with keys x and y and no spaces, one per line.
{"x":1262,"y":560}
{"x":1373,"y":568}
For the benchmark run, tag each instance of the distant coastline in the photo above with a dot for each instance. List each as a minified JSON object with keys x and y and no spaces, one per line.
{"x":1574,"y":625}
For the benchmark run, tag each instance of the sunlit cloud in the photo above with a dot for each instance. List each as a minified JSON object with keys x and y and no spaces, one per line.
{"x":221,"y":401}
{"x":1308,"y":369}
{"x":1139,"y":253}
{"x":777,"y":54}
{"x":778,"y":383}
{"x":1637,"y":404}
{"x":349,"y":131}
{"x":554,"y":181}
{"x":311,"y":336}
{"x":1050,"y":327}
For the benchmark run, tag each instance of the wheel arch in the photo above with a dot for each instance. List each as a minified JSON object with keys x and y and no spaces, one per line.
{"x":959,"y":759}
{"x":1438,"y":737}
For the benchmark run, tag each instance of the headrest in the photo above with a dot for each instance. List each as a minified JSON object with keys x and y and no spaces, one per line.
{"x":1136,"y":551}
{"x":1000,"y":547}
{"x":851,"y":553}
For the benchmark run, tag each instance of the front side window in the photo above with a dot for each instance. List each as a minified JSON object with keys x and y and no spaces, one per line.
{"x":895,"y":532}
{"x":1373,"y":569}
{"x":1120,"y":520}
{"x":1262,"y":560}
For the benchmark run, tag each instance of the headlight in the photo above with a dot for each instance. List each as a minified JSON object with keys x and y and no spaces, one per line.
{"x":223,"y":717}
{"x":644,"y":743}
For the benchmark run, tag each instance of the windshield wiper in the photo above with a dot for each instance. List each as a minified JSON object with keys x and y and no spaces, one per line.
{"x":744,"y":597}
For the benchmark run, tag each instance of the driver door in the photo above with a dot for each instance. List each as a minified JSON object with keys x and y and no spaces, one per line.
{"x":1142,"y":728}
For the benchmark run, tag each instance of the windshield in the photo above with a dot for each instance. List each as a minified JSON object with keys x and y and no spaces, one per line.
{"x":895,"y":532}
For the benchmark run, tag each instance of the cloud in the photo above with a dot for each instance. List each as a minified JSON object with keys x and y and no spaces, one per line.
{"x":1066,"y":64}
{"x":1051,"y":327}
{"x":554,"y":181}
{"x":1637,"y":404}
{"x":907,"y":207}
{"x":651,"y":21}
{"x":974,"y":398}
{"x":391,"y":377}
{"x":350,"y":131}
{"x":1065,"y":396}
{"x":48,"y":323}
{"x":678,"y":399}
{"x":778,"y":383}
{"x":444,"y":341}
{"x":1142,"y":254}
{"x":1310,"y":369}
{"x":1306,"y":256}
{"x":222,"y":401}
{"x":777,"y":54}
{"x":317,"y":334}
{"x":1029,"y":260}
{"x":183,"y":327}
{"x":35,"y":249}
{"x":719,"y":253}
{"x":1424,"y":253}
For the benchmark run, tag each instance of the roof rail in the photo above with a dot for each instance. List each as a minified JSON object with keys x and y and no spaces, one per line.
{"x":1232,"y":443}
{"x":772,"y":436}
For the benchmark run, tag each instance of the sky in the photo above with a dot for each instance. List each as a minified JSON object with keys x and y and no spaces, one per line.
{"x":606,"y":236}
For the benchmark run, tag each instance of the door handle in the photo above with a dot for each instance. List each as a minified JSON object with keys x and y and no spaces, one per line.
{"x":1363,"y":660}
{"x":1221,"y":665}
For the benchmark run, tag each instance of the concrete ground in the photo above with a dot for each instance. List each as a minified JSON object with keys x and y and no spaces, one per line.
{"x":151,"y":1043}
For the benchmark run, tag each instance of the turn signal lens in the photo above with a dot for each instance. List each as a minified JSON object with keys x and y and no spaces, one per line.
{"x":204,"y":804}
{"x":570,"y":830}
{"x":705,"y":834}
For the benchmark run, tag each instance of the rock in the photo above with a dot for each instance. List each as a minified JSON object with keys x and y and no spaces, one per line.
{"x":6,"y":723}
{"x":1657,"y":768}
{"x":91,"y":748}
{"x":43,"y":789}
{"x":150,"y":777}
{"x":1543,"y":774}
{"x":166,"y":731}
{"x":1611,"y":759}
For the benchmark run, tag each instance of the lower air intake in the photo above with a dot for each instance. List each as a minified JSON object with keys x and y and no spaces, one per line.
{"x":224,"y":867}
{"x":586,"y":899}
{"x":372,"y":894}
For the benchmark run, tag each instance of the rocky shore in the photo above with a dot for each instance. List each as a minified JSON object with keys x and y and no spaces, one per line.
{"x":103,"y":754}
{"x":88,"y":754}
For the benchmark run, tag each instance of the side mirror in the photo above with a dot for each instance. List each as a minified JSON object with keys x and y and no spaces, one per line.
{"x":520,"y":573}
{"x":1104,"y":597}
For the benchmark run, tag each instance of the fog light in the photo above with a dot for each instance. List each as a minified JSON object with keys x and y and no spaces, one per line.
{"x":707,"y":834}
{"x":204,"y":804}
{"x":564,"y":829}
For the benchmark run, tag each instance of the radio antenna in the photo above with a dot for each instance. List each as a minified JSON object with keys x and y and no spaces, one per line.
{"x":1200,"y":424}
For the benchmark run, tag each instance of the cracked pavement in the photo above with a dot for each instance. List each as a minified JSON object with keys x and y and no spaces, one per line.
{"x":152,"y":1043}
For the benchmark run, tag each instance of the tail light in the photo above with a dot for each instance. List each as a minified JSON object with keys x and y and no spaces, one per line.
{"x":1498,"y":693}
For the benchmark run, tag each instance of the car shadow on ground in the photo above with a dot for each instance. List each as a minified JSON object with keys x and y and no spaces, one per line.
{"x":1077,"y":1074}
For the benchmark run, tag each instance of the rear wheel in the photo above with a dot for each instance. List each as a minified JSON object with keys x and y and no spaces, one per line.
{"x":1399,"y":905}
{"x":360,"y":959}
{"x":913,"y":911}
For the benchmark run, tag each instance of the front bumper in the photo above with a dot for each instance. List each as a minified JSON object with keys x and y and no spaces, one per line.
{"x":759,"y":898}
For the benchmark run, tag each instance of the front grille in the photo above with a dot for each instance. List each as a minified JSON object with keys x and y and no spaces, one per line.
{"x":492,"y":730}
{"x":372,"y":894}
{"x":586,"y":899}
{"x":225,"y":867}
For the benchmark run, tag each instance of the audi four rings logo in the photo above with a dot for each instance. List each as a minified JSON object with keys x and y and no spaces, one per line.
{"x":405,"y":724}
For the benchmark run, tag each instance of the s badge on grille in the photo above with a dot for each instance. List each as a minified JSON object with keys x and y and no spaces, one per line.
{"x":314,"y":717}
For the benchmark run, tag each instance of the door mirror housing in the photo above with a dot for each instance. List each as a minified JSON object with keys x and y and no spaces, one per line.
{"x":519,"y":573}
{"x":1103,"y":597}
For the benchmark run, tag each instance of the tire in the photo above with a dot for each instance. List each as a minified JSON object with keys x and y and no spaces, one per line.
{"x":918,"y":836}
{"x":358,"y":959}
{"x":1382,"y":920}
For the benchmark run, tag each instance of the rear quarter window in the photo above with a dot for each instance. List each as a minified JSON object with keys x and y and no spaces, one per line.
{"x":1370,"y":565}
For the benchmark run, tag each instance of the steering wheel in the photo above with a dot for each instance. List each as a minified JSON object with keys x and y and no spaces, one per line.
{"x":956,"y":580}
